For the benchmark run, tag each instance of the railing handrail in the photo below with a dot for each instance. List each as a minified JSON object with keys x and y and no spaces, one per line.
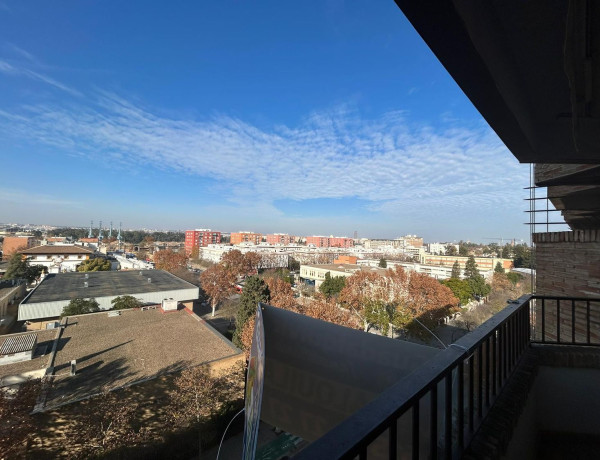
{"x":369,"y":422}
{"x":557,"y":297}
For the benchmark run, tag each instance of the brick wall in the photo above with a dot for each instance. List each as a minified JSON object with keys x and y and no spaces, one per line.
{"x":568,"y":264}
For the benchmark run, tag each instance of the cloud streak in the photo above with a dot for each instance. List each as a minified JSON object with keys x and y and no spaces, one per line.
{"x":10,"y":69}
{"x":395,"y":165}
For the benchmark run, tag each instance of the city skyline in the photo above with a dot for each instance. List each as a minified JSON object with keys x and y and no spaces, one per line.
{"x":272,"y":118}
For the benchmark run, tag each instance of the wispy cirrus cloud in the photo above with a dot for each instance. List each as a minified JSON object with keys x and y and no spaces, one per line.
{"x":391,"y":163}
{"x":19,"y":70}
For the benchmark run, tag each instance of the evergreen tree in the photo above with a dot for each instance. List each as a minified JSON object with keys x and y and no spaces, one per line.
{"x":471,"y":270}
{"x":382,"y":263}
{"x":332,"y":286}
{"x":80,"y":307}
{"x":498,"y":268}
{"x":255,"y":291}
{"x":455,"y":271}
{"x":460,"y":288}
{"x":123,"y":302}
{"x":19,"y":268}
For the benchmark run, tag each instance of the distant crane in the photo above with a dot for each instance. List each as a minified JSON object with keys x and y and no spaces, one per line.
{"x":119,"y":235}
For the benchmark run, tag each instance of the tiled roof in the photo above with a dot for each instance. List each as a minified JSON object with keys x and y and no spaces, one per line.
{"x":58,"y":249}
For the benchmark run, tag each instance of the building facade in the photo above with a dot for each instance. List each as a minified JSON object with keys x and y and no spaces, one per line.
{"x":245,"y":237}
{"x":280,"y":238}
{"x":483,"y":263}
{"x":329,"y":241}
{"x":59,"y":258}
{"x":201,"y":237}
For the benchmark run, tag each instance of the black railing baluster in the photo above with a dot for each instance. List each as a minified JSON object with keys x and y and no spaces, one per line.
{"x":461,"y":405}
{"x":557,"y":320}
{"x":433,"y":436}
{"x":448,"y":417}
{"x":543,"y":320}
{"x":393,"y":438}
{"x":572,"y":321}
{"x":415,"y":430}
{"x":487,"y":372}
{"x":588,"y":322}
{"x":471,"y":392}
{"x":494,"y":361}
{"x":479,"y":382}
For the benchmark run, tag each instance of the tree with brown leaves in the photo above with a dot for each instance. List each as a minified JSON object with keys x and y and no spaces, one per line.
{"x":169,"y":260}
{"x":365,"y":294}
{"x":320,"y":307}
{"x":252,"y":261}
{"x":108,"y":423}
{"x":428,"y":300}
{"x":234,"y":262}
{"x":199,"y":395}
{"x":217,"y":281}
{"x":17,"y":425}
{"x":281,"y":292}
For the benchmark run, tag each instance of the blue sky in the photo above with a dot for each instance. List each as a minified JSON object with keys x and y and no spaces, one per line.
{"x":320,"y":117}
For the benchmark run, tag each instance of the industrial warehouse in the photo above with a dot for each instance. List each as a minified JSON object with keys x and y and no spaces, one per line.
{"x":151,"y":287}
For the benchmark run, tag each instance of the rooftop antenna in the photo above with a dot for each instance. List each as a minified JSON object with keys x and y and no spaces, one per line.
{"x":110,"y":231}
{"x":100,"y":231}
{"x":90,"y":234}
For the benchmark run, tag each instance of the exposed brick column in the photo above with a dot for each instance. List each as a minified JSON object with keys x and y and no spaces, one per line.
{"x":568,"y":264}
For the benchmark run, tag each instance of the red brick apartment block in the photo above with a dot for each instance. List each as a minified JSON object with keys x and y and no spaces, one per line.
{"x":199,"y":238}
{"x":245,"y":237}
{"x":14,"y":244}
{"x":330,"y":242}
{"x":280,"y":238}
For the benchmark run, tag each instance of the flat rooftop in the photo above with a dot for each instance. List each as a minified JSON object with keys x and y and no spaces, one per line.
{"x":41,"y":355}
{"x":137,"y":345}
{"x":65,"y":286}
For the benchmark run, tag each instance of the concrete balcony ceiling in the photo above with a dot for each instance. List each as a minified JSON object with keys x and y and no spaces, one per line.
{"x":532,"y":69}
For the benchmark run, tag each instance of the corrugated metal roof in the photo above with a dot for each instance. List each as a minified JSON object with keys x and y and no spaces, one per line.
{"x":18,"y":344}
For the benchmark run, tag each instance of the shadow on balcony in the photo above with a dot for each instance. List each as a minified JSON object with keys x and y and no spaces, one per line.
{"x":522,"y":385}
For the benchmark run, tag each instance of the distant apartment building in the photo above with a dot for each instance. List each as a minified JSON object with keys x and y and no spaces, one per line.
{"x":378,"y":243}
{"x":57,"y":258}
{"x":483,"y":263}
{"x":413,"y":240}
{"x":440,"y":248}
{"x":329,"y":242}
{"x":200,"y":237}
{"x":280,"y":238}
{"x":316,"y":272}
{"x":13,"y":244}
{"x":245,"y":237}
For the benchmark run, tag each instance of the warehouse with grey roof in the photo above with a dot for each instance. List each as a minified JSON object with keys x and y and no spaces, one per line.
{"x":151,"y":287}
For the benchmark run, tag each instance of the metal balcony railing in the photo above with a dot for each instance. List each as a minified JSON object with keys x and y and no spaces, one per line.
{"x":435,"y":412}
